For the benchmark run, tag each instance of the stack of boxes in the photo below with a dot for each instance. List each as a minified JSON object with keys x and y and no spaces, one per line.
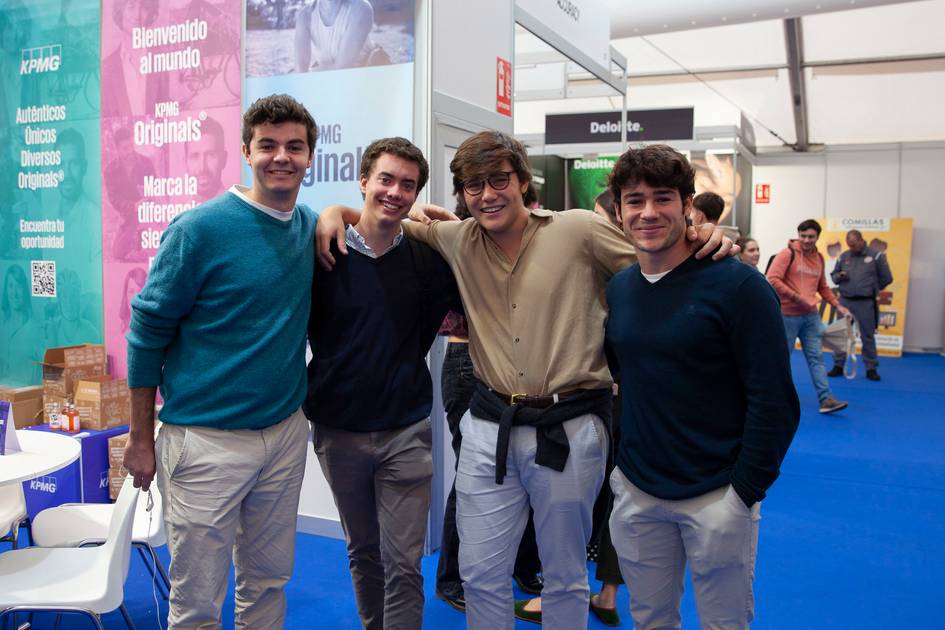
{"x":116,"y":472}
{"x":64,"y":367}
{"x":78,"y":373}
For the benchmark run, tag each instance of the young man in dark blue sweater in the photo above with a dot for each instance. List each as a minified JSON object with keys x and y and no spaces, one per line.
{"x":373,"y":319}
{"x":709,"y":407}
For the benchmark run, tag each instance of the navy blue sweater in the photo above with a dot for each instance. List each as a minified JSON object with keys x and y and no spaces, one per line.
{"x":708,"y":398}
{"x":371,"y":325}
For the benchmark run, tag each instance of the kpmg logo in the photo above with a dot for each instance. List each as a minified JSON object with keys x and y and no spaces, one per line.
{"x":41,"y":59}
{"x":44,"y":484}
{"x":103,"y":480}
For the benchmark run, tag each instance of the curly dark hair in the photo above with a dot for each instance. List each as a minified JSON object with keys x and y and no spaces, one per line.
{"x":277,"y":109}
{"x":657,"y":165}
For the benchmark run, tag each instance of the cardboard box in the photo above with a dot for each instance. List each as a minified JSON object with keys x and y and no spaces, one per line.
{"x":64,"y":367}
{"x":116,"y":450}
{"x":116,"y":477}
{"x":49,"y":402}
{"x":26,"y":403}
{"x":103,"y":403}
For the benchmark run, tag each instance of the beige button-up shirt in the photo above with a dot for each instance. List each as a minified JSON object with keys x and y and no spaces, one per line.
{"x":536,"y":323}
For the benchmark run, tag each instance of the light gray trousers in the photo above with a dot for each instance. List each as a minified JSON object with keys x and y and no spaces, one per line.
{"x":490,"y":519}
{"x":230,"y":496}
{"x":715,"y":533}
{"x":381,"y":484}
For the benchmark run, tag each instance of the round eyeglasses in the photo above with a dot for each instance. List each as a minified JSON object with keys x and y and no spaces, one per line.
{"x":498,"y":181}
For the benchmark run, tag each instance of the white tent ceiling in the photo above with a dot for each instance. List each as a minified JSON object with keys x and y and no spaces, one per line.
{"x":870,"y":75}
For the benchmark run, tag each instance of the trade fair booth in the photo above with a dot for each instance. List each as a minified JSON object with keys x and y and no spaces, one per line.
{"x":118,"y":116}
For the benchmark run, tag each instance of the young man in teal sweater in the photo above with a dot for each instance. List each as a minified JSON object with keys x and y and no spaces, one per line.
{"x":220,"y":327}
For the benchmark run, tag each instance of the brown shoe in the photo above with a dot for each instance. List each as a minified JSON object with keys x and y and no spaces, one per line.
{"x":829,"y":405}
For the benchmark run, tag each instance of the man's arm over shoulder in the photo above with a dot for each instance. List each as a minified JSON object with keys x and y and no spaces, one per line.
{"x":167,"y":297}
{"x":440,"y":235}
{"x":756,"y":335}
{"x":608,"y":246}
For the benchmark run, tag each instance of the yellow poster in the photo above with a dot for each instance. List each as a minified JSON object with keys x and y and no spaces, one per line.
{"x":891,"y":238}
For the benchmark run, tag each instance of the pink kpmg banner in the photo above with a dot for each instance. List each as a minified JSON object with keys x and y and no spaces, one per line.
{"x":170,"y":132}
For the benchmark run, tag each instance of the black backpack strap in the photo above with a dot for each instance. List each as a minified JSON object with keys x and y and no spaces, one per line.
{"x":790,"y":262}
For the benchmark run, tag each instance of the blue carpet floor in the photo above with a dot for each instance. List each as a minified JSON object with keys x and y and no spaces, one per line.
{"x":851,"y":535}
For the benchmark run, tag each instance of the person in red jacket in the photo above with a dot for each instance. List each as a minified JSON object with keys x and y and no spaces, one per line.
{"x":797,"y":275}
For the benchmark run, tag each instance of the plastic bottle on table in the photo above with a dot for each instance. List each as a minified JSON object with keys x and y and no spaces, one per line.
{"x":72,"y":418}
{"x":54,"y":421}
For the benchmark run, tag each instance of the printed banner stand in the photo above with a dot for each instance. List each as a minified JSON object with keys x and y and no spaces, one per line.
{"x":8,"y":442}
{"x":890,"y":238}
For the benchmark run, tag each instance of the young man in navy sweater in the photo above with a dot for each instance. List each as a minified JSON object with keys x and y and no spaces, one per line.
{"x":373,"y":319}
{"x":709,"y":407}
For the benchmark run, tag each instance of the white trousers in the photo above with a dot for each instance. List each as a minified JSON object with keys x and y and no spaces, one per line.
{"x":655,"y":538}
{"x":490,"y":519}
{"x":230,"y":496}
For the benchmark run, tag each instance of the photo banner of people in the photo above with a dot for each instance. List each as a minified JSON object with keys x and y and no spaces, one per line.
{"x":170,"y":132}
{"x":887,"y":237}
{"x":50,"y":232}
{"x":350,"y":62}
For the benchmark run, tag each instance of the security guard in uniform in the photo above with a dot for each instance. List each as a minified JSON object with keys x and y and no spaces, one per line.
{"x":861,"y":273}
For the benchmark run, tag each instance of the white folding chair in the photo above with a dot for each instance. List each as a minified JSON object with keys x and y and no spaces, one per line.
{"x":84,"y":580}
{"x":84,"y":524}
{"x":13,"y":514}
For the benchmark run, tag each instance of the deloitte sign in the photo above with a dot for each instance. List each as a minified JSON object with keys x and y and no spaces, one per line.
{"x":642,"y":125}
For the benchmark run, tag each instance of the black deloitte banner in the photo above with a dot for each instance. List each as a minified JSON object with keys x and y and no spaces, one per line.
{"x":642,"y":125}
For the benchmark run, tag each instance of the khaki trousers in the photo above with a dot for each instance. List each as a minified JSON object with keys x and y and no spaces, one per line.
{"x":230,"y":496}
{"x":381,"y":484}
{"x":655,"y":538}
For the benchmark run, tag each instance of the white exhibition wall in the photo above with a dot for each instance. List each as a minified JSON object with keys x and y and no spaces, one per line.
{"x":879,"y":181}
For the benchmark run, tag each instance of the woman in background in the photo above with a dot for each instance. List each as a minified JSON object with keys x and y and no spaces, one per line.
{"x":751,"y":254}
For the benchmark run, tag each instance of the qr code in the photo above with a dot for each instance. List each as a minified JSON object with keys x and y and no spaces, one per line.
{"x":44,"y":278}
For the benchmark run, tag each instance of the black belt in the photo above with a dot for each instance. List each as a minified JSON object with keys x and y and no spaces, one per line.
{"x":537,"y":402}
{"x":858,"y":297}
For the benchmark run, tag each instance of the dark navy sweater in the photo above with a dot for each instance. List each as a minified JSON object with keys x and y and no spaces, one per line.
{"x":708,"y":398}
{"x":371,"y":325}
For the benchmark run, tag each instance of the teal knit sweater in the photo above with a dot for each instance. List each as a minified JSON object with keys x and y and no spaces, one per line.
{"x":220,"y":324}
